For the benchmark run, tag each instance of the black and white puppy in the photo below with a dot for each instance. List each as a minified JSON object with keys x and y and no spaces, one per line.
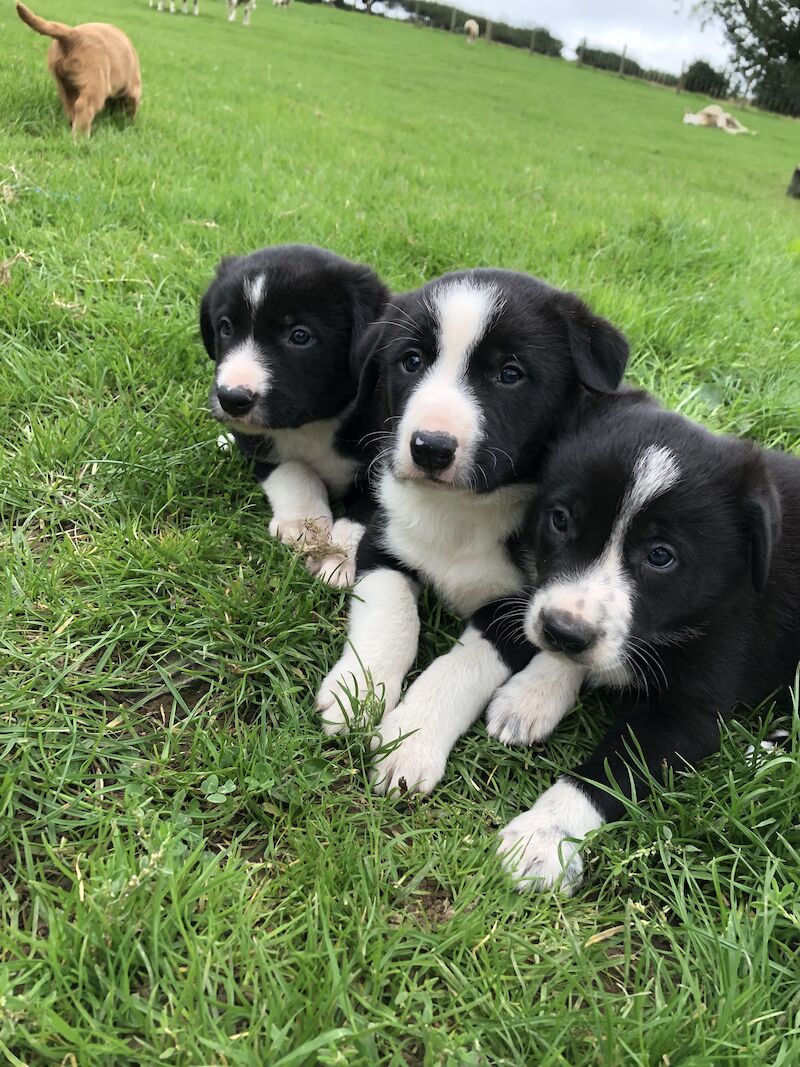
{"x":474,"y":375}
{"x":668,"y":569}
{"x":282,"y":326}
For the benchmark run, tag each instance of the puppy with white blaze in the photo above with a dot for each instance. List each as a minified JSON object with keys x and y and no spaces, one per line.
{"x":283,"y":326}
{"x":668,"y":569}
{"x":471,"y":378}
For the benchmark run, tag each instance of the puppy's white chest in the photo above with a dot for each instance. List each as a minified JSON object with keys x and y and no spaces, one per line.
{"x":312,"y":444}
{"x":456,"y":541}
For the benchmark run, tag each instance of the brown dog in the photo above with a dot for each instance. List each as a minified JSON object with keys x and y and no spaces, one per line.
{"x":91,"y":64}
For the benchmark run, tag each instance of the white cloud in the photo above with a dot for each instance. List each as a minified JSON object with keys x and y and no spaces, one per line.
{"x":658,"y":33}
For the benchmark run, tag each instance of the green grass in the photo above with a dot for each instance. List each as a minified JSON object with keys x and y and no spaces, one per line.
{"x":191,"y":873}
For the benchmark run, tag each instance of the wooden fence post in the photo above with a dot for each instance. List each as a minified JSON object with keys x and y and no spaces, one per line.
{"x":453,"y":21}
{"x":489,"y":30}
{"x":532,"y":48}
{"x":581,"y":50}
{"x":622,"y":61}
{"x":679,"y":86}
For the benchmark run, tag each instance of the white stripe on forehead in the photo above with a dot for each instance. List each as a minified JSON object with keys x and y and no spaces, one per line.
{"x":254,"y":290}
{"x":463,"y":310}
{"x":655,"y":471}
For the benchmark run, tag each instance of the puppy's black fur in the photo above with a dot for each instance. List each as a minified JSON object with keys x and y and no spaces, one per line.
{"x":556,"y":344}
{"x":307,"y":289}
{"x":469,"y":379}
{"x":283,"y":326}
{"x":710,"y":567}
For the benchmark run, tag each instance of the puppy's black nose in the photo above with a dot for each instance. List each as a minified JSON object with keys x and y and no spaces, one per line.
{"x":433,"y":451}
{"x":236,"y":401}
{"x":564,"y":633}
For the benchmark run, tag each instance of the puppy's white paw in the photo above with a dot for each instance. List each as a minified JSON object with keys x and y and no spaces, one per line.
{"x":300,"y":531}
{"x":540,"y":848}
{"x":338,"y":567}
{"x":336,"y":570}
{"x":342,"y":695}
{"x":414,"y":764}
{"x":532,"y":703}
{"x":225,"y":442}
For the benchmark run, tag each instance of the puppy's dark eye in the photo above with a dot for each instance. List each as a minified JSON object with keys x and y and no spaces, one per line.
{"x":225,"y":327}
{"x":559,"y":519}
{"x":411,"y":362}
{"x":300,"y":336}
{"x":509,"y":374}
{"x":660,"y":558}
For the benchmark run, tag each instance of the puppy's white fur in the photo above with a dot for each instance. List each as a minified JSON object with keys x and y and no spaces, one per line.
{"x":384,"y":630}
{"x":297,"y":489}
{"x":243,"y":368}
{"x":455,"y":538}
{"x":339,"y":568}
{"x":299,"y":502}
{"x":527,"y":709}
{"x":602,"y":595}
{"x":540,"y":847}
{"x":255,"y":289}
{"x":440,"y":706}
{"x":312,"y":444}
{"x":442,"y":402}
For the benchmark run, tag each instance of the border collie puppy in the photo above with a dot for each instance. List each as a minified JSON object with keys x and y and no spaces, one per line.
{"x":282,"y":326}
{"x":472,"y":375}
{"x":667,"y":569}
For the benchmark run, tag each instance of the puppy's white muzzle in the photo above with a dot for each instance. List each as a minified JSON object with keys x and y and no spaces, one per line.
{"x":438,"y":433}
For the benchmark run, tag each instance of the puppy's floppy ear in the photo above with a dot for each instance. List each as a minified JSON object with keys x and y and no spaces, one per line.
{"x":368,"y":299}
{"x":599,"y":349}
{"x":762,"y":517}
{"x":206,"y":324}
{"x":367,"y":412}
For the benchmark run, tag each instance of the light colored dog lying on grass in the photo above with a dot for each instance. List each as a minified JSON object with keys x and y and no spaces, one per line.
{"x":92,"y":64}
{"x":714,"y":116}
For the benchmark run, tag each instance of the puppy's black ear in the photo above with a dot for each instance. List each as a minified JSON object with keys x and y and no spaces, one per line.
{"x":599,"y":349}
{"x":206,"y":324}
{"x":762,"y":516}
{"x":368,"y":297}
{"x":367,"y":413}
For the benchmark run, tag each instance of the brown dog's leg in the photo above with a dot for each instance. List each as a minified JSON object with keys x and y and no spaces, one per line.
{"x":86,"y":107}
{"x":67,"y":96}
{"x":131,"y":101}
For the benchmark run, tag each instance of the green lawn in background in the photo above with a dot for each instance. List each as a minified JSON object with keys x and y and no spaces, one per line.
{"x":191,"y":874}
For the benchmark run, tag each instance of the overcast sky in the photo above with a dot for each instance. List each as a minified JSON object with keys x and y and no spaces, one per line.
{"x":658,"y":33}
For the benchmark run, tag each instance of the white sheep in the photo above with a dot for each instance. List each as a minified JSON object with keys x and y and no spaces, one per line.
{"x":472,"y":31}
{"x":172,"y":6}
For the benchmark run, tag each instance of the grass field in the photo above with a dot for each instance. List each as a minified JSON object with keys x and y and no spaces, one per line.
{"x":190,"y":873}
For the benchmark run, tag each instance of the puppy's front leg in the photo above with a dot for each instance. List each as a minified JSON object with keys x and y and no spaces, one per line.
{"x":533,"y":702}
{"x":541,"y":847}
{"x":299,"y":501}
{"x":382,"y":642}
{"x":439,"y":707}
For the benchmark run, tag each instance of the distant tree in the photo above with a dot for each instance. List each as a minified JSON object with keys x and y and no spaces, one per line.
{"x":702,"y":78}
{"x":765,"y":35}
{"x":605,"y":60}
{"x":761,"y":31}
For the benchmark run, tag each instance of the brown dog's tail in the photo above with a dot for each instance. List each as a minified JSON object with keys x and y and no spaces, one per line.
{"x":59,"y":30}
